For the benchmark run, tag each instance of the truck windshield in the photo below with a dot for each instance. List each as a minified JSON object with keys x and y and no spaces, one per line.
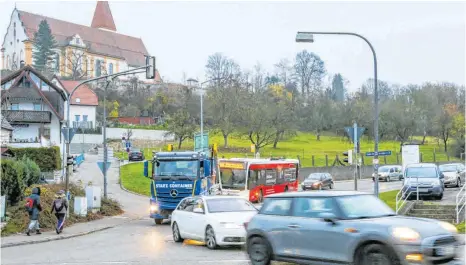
{"x":177,"y":169}
{"x":233,"y":178}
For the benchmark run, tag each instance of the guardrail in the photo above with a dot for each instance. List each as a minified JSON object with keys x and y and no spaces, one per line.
{"x":460,"y":202}
{"x":402,"y":196}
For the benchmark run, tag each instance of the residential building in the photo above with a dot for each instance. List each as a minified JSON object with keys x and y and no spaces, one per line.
{"x":7,"y":130}
{"x":135,"y":120}
{"x":83,"y":106}
{"x":34,"y":107}
{"x":83,"y":52}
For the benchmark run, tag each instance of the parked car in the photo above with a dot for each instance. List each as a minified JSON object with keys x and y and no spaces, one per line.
{"x":345,"y":227}
{"x":215,"y":220}
{"x":317,"y":181}
{"x":424,"y":178}
{"x":454,"y":174}
{"x":136,"y":155}
{"x":389,"y":173}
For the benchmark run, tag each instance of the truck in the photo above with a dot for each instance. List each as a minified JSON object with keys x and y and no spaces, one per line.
{"x":175,"y":176}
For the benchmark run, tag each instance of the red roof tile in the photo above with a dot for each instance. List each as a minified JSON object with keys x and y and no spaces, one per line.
{"x":84,"y":93}
{"x":103,"y":17}
{"x":98,"y":41}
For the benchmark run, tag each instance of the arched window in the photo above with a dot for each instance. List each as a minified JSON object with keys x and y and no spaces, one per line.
{"x":110,"y":68}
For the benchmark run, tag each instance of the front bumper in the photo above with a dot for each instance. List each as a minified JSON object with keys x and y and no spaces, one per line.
{"x":230,"y":236}
{"x":310,"y":187}
{"x":430,"y":252}
{"x":450,"y":181}
{"x":423,"y":191}
{"x":157,"y":211}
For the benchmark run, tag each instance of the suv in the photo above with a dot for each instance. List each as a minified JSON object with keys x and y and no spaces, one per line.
{"x":389,"y":173}
{"x":345,"y":227}
{"x":423,"y":176}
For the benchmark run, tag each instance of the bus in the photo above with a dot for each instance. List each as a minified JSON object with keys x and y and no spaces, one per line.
{"x":253,"y":178}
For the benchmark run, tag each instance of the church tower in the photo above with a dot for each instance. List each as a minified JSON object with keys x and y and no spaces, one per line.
{"x":103,"y":18}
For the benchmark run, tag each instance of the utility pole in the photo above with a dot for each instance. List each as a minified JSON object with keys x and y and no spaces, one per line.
{"x":104,"y":133}
{"x":355,"y":142}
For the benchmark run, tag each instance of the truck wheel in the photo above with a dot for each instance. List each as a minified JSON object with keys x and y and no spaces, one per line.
{"x":158,"y":221}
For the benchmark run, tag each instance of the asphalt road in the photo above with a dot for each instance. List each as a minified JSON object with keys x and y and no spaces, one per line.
{"x":139,"y":242}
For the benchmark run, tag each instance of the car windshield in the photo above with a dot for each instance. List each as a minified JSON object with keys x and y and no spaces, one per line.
{"x":136,"y":150}
{"x":233,"y":178}
{"x":314,"y":177}
{"x":177,"y":168}
{"x":384,"y":169}
{"x":421,"y":172}
{"x":447,"y":168}
{"x":229,"y":205}
{"x":363,"y":206}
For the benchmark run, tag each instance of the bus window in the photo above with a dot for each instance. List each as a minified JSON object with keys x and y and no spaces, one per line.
{"x":270,"y":176}
{"x":280,"y":176}
{"x":290,"y":174}
{"x":233,"y":178}
{"x":253,"y":179}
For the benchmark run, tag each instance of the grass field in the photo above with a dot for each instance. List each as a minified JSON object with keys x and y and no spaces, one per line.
{"x":311,"y":151}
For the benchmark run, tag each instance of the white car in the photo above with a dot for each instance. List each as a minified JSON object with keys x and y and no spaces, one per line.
{"x":214,"y":220}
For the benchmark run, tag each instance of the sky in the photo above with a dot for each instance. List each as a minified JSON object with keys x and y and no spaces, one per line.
{"x":415,"y":42}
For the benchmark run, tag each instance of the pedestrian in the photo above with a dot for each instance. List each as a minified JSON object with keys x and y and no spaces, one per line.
{"x":33,"y":207}
{"x":60,"y":206}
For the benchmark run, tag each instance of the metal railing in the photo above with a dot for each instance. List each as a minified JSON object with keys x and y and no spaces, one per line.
{"x":460,"y":202}
{"x":403,"y":195}
{"x":27,"y":116}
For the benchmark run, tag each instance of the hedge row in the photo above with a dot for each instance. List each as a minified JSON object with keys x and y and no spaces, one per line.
{"x":17,"y":175}
{"x":47,"y":158}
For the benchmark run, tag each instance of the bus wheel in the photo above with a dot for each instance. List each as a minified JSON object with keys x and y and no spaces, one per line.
{"x":261,"y":197}
{"x":286,"y":188}
{"x":158,"y":221}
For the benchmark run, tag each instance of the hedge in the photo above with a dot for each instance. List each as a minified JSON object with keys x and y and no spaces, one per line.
{"x":16,"y":176}
{"x":47,"y":158}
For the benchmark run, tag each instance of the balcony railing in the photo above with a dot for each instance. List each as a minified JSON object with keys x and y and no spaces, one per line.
{"x":83,"y":124}
{"x":27,"y":116}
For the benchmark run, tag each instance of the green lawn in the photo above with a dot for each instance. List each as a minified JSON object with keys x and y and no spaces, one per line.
{"x":310,"y":151}
{"x":132,"y":178}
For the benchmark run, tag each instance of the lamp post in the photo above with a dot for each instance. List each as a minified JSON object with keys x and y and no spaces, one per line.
{"x":308,"y":37}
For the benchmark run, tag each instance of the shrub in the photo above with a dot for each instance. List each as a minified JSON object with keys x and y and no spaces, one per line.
{"x":47,"y":158}
{"x":12,"y":185}
{"x":31,"y":174}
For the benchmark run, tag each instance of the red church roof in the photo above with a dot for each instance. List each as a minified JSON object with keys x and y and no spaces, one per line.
{"x":103,"y":17}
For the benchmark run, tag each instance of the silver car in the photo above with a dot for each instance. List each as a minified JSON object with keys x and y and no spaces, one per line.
{"x":345,"y":227}
{"x":454,"y":174}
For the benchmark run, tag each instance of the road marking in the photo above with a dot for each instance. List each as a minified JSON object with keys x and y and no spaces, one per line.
{"x":224,"y":261}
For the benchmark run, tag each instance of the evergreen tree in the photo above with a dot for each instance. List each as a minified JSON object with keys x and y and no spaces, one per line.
{"x":44,"y":43}
{"x":338,"y":88}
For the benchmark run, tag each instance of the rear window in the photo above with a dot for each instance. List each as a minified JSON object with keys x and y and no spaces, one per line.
{"x":276,"y":206}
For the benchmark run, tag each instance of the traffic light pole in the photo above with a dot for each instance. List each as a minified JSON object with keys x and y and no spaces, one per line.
{"x":355,"y":141}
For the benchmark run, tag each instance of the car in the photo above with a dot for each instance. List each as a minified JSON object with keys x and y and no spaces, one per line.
{"x":423,"y":178}
{"x":345,"y":227}
{"x":454,"y":174}
{"x":317,"y":181}
{"x":389,"y":173}
{"x":136,"y":155}
{"x":214,"y":220}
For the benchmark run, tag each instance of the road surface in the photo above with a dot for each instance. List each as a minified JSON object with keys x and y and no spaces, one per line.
{"x":139,"y":242}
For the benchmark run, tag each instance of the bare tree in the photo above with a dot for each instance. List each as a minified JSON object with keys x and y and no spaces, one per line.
{"x":309,"y":69}
{"x":221,"y":68}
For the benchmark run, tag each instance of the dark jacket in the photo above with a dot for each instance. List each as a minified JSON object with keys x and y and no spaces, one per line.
{"x":37,"y":207}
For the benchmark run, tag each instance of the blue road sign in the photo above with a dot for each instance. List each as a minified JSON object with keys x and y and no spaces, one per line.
{"x":380,"y":153}
{"x":101,"y":166}
{"x":350,"y":132}
{"x":64,"y":131}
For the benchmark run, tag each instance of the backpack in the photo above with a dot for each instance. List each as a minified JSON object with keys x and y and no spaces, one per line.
{"x":29,"y":204}
{"x":58,"y":204}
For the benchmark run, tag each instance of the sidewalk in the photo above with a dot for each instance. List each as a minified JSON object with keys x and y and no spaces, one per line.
{"x":76,"y":230}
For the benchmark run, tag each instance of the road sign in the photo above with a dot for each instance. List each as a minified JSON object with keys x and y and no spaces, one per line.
{"x":197,"y":142}
{"x":350,"y":132}
{"x":101,"y":166}
{"x":64,"y":131}
{"x":380,"y":153}
{"x":375,"y":161}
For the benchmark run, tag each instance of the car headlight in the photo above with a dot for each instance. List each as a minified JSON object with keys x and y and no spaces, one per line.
{"x":405,"y":234}
{"x":449,"y":227}
{"x":230,"y":225}
{"x":436,"y":182}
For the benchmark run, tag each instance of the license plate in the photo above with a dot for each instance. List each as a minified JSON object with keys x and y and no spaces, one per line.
{"x":423,"y":190}
{"x":446,"y":251}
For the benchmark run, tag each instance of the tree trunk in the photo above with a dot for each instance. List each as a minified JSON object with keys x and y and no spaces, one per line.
{"x":424,"y":138}
{"x":445,"y":140}
{"x":318,"y":135}
{"x":277,"y":138}
{"x":225,"y":140}
{"x":180,"y":141}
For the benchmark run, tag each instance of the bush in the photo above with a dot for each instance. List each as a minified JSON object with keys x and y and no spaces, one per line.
{"x":31,"y":174}
{"x":47,"y":158}
{"x":12,"y":184}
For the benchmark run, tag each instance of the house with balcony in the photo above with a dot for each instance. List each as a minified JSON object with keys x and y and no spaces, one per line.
{"x":34,"y":107}
{"x":83,"y":106}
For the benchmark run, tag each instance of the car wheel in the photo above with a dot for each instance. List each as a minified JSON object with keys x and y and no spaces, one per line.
{"x":158,"y":221}
{"x":210,"y":241}
{"x":376,"y":254}
{"x":259,"y":251}
{"x":320,"y":187}
{"x":331,"y":185}
{"x":388,"y":179}
{"x":440,"y":197}
{"x":176,"y":233}
{"x":286,"y":188}
{"x":458,"y":182}
{"x":261,"y":197}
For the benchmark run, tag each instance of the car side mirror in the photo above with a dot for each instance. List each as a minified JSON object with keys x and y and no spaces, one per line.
{"x":329,"y":218}
{"x":198,"y":210}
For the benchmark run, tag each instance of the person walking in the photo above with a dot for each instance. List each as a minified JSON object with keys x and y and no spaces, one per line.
{"x":33,"y":207}
{"x":60,"y":206}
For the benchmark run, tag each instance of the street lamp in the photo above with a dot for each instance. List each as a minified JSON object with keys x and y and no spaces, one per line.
{"x":308,"y":37}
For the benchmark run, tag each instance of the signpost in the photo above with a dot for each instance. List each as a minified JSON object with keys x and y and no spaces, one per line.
{"x":103,"y":157}
{"x":354,"y":134}
{"x":198,"y":142}
{"x":380,"y":153}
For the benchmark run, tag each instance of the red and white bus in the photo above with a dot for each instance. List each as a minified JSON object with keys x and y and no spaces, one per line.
{"x":254,"y":178}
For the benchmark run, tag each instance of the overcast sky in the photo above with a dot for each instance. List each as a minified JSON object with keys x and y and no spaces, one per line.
{"x":415,"y":42}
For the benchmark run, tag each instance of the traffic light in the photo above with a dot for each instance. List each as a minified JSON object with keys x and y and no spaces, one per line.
{"x":349,"y":157}
{"x":150,"y":69}
{"x":69,"y":160}
{"x":170,"y":147}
